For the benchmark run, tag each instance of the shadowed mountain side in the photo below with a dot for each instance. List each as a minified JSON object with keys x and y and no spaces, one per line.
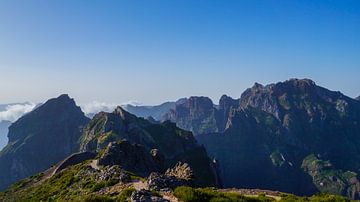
{"x":40,"y":139}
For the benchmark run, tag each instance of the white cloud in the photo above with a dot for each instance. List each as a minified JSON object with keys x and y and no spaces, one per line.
{"x":13,"y":112}
{"x":95,"y":107}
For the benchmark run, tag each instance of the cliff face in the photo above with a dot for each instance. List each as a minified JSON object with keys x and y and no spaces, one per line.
{"x":200,"y":116}
{"x":172,"y":142}
{"x":269,"y":138}
{"x":40,"y":139}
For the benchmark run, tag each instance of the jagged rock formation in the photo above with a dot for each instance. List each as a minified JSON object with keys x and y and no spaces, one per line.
{"x":159,"y":142}
{"x":277,"y":126}
{"x":41,"y":139}
{"x":200,"y":115}
{"x":4,"y":125}
{"x":131,"y":157}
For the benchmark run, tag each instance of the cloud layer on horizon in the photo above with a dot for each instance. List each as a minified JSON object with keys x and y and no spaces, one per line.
{"x":95,"y":107}
{"x":12,"y":112}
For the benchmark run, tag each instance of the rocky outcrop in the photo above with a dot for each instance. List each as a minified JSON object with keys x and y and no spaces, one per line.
{"x":131,"y":157}
{"x":162,"y":145}
{"x":226,"y":105}
{"x":181,"y":171}
{"x":41,"y":139}
{"x":146,"y":196}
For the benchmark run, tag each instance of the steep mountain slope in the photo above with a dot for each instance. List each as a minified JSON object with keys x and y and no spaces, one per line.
{"x":157,"y":111}
{"x":40,"y":139}
{"x":291,"y":136}
{"x":4,"y":125}
{"x":173,"y":143}
{"x":200,"y":115}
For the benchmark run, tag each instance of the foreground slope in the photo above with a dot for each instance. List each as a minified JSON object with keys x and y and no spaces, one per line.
{"x":40,"y":139}
{"x":87,"y":182}
{"x":292,"y":136}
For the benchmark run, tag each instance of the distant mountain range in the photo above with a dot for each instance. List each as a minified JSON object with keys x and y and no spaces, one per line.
{"x":291,"y":136}
{"x":157,"y":112}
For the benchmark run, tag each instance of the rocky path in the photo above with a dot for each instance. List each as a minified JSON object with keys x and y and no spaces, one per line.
{"x":94,"y":164}
{"x":139,"y":185}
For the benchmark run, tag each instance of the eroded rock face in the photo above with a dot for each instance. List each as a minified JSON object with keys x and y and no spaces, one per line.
{"x":130,"y":157}
{"x":200,"y":116}
{"x":180,"y":175}
{"x":196,"y":114}
{"x":41,"y":139}
{"x":163,"y":182}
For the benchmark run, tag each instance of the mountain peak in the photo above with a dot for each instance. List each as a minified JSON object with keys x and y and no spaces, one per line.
{"x":41,"y":138}
{"x":124,"y":114}
{"x":64,"y":96}
{"x":302,"y":81}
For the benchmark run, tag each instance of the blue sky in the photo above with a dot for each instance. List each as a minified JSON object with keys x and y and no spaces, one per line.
{"x":158,"y":50}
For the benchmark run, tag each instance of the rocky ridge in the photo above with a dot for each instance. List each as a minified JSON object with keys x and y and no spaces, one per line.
{"x":274,"y":130}
{"x":162,"y":145}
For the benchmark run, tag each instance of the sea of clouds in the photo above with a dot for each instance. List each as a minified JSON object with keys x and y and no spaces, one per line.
{"x":12,"y":112}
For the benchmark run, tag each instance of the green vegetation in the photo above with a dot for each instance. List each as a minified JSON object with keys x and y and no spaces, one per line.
{"x":316,"y":198}
{"x":328,"y":179}
{"x":125,"y":194}
{"x":98,"y":198}
{"x":188,"y":194}
{"x":75,"y":183}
